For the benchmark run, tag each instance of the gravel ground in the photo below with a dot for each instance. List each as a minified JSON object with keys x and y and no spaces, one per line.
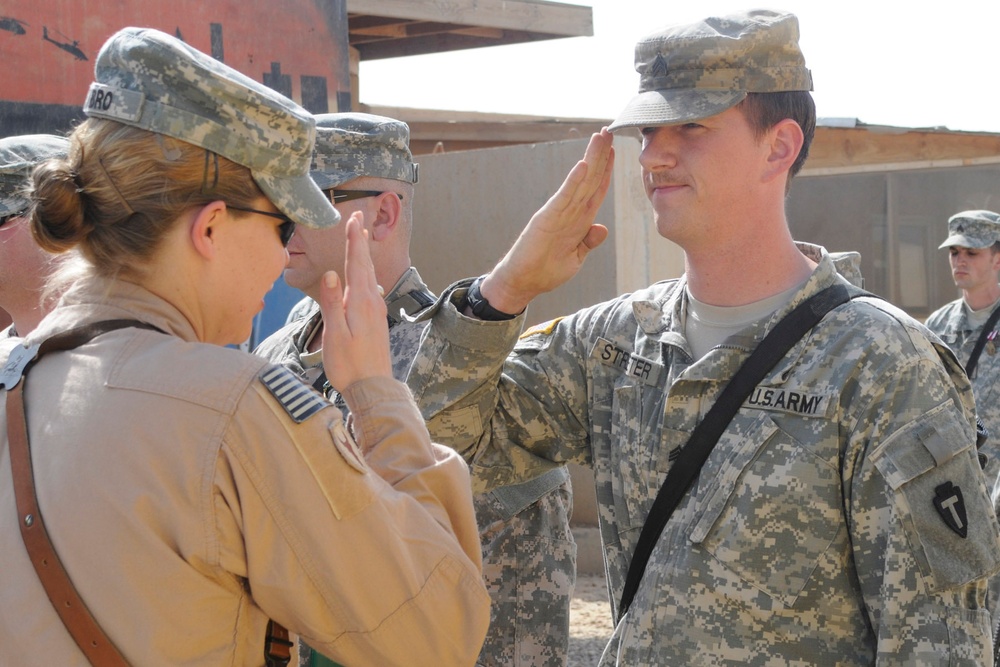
{"x":590,"y":623}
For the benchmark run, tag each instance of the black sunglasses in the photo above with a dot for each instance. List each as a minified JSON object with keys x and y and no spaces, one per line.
{"x":285,"y":230}
{"x":340,"y":196}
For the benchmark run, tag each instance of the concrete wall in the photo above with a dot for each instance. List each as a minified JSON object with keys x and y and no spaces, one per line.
{"x":470,"y":207}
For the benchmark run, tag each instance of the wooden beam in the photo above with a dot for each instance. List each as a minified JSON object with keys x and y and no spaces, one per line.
{"x":380,"y":26}
{"x":835,"y":150}
{"x":364,"y":21}
{"x":442,"y":42}
{"x":537,"y":16}
{"x":485,"y":33}
{"x":835,"y":147}
{"x":461,"y":130}
{"x":414,"y":29}
{"x":387,"y":30}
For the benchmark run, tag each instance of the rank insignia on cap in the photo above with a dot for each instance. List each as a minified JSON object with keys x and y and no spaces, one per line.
{"x":951,"y":507}
{"x":298,"y":400}
{"x":659,"y":67}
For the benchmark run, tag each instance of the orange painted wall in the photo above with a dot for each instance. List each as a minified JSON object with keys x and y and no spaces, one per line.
{"x":290,"y":38}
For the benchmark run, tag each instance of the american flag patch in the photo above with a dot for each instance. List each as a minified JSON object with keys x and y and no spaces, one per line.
{"x":298,"y":400}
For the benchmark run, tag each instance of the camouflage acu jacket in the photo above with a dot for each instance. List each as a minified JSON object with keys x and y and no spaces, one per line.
{"x":841,"y":519}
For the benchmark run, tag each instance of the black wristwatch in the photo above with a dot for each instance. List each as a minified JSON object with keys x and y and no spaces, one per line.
{"x":480,"y":307}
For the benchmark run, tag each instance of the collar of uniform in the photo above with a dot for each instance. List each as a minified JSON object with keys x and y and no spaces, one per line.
{"x":664,"y":305}
{"x":823,"y":276}
{"x":725,"y":360}
{"x":656,"y":315}
{"x":92,"y":299}
{"x":308,"y":329}
{"x":397,"y":300}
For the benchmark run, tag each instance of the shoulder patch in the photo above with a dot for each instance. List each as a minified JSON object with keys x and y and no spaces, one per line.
{"x":950,"y":504}
{"x":544,"y":329}
{"x":298,"y":400}
{"x":347,"y":447}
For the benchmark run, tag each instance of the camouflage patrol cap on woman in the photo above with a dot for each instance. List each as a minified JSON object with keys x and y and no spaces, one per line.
{"x":351,"y":145}
{"x":151,"y":80}
{"x":973,"y":229}
{"x":690,"y":72}
{"x":18,"y":156}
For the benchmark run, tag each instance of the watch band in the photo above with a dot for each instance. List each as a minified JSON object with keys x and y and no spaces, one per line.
{"x":480,"y":307}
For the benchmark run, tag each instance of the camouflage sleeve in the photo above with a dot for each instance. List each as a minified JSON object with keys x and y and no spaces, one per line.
{"x":923,"y":532}
{"x":512,"y":418}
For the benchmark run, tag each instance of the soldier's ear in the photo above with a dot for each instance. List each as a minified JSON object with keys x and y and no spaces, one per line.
{"x":202,"y":228}
{"x":785,"y":141}
{"x":995,"y":259}
{"x":390,"y":207}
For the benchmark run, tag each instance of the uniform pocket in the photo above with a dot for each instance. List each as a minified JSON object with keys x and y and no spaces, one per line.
{"x":772,"y":510}
{"x":938,"y":494}
{"x":530,"y":580}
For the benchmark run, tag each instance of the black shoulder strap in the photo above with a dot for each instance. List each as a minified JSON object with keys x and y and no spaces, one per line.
{"x":970,"y":365}
{"x":769,"y":352}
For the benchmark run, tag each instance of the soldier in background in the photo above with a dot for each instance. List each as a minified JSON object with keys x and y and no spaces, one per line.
{"x":24,"y":266}
{"x":969,"y":326}
{"x":363,"y":162}
{"x":841,"y":518}
{"x":973,"y":246}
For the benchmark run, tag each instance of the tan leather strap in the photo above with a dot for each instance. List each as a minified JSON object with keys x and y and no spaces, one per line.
{"x":86,"y":632}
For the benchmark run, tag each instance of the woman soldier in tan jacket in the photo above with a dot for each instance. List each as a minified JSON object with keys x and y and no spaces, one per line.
{"x":194,"y":492}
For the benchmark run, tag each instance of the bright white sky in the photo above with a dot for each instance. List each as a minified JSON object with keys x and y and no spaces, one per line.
{"x":885,"y":62}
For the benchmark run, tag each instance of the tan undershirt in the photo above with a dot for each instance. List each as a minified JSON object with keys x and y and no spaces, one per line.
{"x":977,"y":318}
{"x":708,"y":326}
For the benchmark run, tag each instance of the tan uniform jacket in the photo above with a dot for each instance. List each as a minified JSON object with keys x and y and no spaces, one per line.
{"x":188,"y":506}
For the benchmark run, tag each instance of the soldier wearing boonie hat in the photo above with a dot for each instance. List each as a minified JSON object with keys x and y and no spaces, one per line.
{"x":359,"y":158}
{"x":969,"y":326}
{"x":198,"y":492}
{"x":24,"y":266}
{"x":819,"y":529}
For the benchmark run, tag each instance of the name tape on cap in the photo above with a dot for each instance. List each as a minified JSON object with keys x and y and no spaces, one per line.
{"x":115,"y":103}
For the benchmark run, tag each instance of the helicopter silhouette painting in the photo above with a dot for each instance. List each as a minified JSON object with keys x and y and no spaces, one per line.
{"x":70,"y":46}
{"x":11,"y":24}
{"x":48,"y":48}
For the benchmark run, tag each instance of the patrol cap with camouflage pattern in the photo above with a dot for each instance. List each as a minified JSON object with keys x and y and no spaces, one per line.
{"x":694,"y":71}
{"x":973,"y":229}
{"x":18,"y":156}
{"x":151,"y":80}
{"x":351,"y":145}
